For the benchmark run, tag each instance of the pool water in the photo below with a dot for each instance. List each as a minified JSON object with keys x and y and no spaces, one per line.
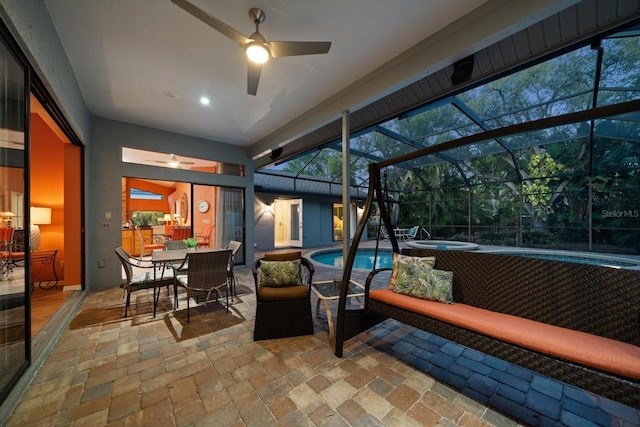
{"x":364,"y":259}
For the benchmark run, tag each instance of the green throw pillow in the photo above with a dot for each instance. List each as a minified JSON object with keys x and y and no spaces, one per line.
{"x":400,"y":261}
{"x":426,"y":283}
{"x":279,"y":273}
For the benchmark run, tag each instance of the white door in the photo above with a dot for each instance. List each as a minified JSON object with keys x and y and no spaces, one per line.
{"x":287,"y":222}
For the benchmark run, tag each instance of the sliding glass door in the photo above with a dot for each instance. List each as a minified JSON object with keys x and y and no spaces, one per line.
{"x":14,"y":305}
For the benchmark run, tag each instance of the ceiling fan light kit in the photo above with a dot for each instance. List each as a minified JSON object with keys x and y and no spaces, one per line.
{"x":257,"y":53}
{"x":257,"y":48}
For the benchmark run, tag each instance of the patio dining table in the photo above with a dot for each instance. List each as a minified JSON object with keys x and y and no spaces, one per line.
{"x":162,"y":258}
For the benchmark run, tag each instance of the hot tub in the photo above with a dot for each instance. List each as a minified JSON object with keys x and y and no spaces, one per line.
{"x":444,"y":245}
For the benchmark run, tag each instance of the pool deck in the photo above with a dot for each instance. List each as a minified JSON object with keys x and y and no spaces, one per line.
{"x":523,"y":395}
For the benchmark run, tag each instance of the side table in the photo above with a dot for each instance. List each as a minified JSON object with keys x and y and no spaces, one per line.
{"x":328,"y":290}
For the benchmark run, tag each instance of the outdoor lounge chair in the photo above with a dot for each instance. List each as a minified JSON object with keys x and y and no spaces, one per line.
{"x":282,"y":309}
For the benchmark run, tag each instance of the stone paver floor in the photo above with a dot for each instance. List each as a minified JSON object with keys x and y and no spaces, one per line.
{"x":108,"y":370}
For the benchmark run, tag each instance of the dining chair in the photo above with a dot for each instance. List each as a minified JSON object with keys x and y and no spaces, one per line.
{"x":6,"y":251}
{"x":207,"y":273}
{"x":147,"y":244}
{"x":144,"y":280}
{"x":168,"y":232}
{"x":204,"y":239}
{"x":175,"y":245}
{"x":234,"y":245}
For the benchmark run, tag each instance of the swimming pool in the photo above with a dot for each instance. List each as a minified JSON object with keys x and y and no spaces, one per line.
{"x":364,"y":258}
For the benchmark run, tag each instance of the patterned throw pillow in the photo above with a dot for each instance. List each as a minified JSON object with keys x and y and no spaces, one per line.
{"x":426,"y":283}
{"x":401,"y":260}
{"x":279,"y":273}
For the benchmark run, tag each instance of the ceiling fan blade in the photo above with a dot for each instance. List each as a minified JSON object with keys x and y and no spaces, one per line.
{"x":279,"y":49}
{"x":253,"y":78}
{"x":214,"y":23}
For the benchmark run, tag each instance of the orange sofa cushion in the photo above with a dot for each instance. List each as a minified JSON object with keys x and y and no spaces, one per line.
{"x":586,"y":349}
{"x":284,"y":293}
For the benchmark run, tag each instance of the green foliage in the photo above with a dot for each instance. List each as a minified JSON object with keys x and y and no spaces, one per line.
{"x":191,"y":242}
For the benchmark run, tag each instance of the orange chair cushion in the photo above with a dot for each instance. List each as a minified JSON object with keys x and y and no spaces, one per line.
{"x":282,"y":256}
{"x":285,"y":293}
{"x":154,"y":246}
{"x":587,"y":349}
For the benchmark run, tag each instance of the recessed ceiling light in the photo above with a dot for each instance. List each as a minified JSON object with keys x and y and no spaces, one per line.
{"x":204,"y":100}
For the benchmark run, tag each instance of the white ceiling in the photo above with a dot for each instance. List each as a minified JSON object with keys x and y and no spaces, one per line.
{"x":127,"y":54}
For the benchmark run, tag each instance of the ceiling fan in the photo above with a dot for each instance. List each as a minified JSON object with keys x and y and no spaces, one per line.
{"x":174,"y":162}
{"x":257,"y":48}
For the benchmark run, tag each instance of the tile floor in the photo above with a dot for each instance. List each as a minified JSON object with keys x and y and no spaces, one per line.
{"x":106,"y":370}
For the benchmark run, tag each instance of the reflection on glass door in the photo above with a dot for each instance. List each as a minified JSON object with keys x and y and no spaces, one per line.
{"x":287,"y":222}
{"x":14,"y":311}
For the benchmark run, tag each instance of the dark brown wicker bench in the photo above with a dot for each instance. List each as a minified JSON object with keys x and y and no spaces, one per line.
{"x":596,"y":300}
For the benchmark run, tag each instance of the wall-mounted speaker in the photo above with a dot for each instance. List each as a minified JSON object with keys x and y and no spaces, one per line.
{"x":275,"y":153}
{"x":462,"y":70}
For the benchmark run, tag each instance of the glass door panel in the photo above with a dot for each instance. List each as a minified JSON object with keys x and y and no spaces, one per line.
{"x":14,"y":308}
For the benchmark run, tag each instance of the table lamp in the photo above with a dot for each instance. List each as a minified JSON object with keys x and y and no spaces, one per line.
{"x":7,"y":217}
{"x":39,"y":216}
{"x":166,"y":218}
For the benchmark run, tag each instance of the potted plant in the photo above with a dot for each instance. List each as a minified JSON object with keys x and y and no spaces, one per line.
{"x":191,"y":243}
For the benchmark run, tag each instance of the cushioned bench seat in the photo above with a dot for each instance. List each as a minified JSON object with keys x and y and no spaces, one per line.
{"x":587,"y":349}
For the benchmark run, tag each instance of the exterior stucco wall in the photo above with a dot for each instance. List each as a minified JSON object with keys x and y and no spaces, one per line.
{"x":106,"y":170}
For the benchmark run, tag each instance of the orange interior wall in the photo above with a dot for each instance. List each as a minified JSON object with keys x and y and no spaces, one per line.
{"x":201,"y":220}
{"x":47,"y":186}
{"x":73,"y":215}
{"x":147,"y":205}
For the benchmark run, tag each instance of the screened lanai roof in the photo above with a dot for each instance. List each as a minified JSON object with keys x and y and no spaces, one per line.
{"x":602,"y":72}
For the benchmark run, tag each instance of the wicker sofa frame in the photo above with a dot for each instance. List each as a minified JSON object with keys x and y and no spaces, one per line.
{"x":597,"y":300}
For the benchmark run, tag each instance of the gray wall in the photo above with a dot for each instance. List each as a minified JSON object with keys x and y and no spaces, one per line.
{"x":30,"y":25}
{"x":317,"y":221}
{"x":105,"y":195}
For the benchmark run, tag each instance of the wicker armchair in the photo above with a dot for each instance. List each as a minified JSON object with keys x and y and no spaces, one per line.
{"x":283,"y":311}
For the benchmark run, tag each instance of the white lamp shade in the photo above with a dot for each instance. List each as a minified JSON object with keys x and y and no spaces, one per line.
{"x":40,"y":215}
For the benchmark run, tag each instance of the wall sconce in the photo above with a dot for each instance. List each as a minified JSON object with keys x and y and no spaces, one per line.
{"x":39,"y":216}
{"x":268,"y":208}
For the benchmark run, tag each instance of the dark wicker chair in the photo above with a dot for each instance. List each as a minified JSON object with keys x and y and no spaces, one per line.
{"x":283,"y":311}
{"x":234,"y":246}
{"x":207,"y":273}
{"x":145,"y":280}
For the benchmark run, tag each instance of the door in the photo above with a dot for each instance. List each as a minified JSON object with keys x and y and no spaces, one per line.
{"x":15,"y":341}
{"x":287,"y":222}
